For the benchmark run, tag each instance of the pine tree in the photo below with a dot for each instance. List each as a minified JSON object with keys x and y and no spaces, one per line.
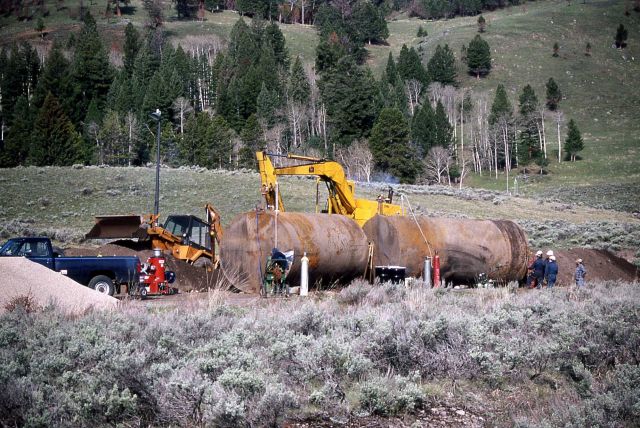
{"x":479,"y":57}
{"x":463,"y":53}
{"x":421,"y":32}
{"x":251,"y":137}
{"x":351,"y":98}
{"x":299,"y":89}
{"x":554,"y":95}
{"x":574,"y":143}
{"x":217,"y":148}
{"x":423,"y":128}
{"x":389,"y":144}
{"x":621,"y":37}
{"x":444,"y":130}
{"x":274,"y":38}
{"x":20,"y":77}
{"x":267,"y":105}
{"x":528,"y":101}
{"x":17,"y":140}
{"x":529,"y":145}
{"x":328,"y":53}
{"x":242,"y":51}
{"x":369,"y":23}
{"x":391,"y":70}
{"x":131,"y":47}
{"x":197,"y":134}
{"x":40,"y":27}
{"x":410,"y":66}
{"x":587,"y":49}
{"x":442,"y":66}
{"x":113,"y":139}
{"x":481,"y":24}
{"x":91,"y":72}
{"x":501,"y":107}
{"x":55,"y":79}
{"x":267,"y":70}
{"x":55,"y":140}
{"x":556,"y":49}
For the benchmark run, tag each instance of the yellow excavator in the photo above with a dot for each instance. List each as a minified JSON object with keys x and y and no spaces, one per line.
{"x":341,"y":199}
{"x":188,"y":237}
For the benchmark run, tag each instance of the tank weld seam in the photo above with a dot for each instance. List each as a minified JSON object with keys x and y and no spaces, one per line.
{"x":413,"y":214}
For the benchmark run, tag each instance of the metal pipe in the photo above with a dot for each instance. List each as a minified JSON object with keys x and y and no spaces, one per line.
{"x":466,"y":247}
{"x":336,"y":247}
{"x":304,"y":275}
{"x":426,"y":272}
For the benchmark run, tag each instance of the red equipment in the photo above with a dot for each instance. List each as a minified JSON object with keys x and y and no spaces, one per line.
{"x":436,"y":271}
{"x":154,"y":278}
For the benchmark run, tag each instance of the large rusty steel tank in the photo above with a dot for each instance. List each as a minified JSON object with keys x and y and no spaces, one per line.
{"x":336,"y":246}
{"x":466,"y":248}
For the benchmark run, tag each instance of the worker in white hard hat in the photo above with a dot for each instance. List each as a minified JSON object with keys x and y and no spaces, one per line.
{"x":551,"y":271}
{"x":536,"y":269}
{"x":581,"y":272}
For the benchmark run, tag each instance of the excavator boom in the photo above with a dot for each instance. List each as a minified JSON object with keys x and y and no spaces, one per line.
{"x":341,"y":199}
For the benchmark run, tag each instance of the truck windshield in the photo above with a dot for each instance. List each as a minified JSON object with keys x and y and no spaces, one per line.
{"x":25,"y":248}
{"x":10,"y":248}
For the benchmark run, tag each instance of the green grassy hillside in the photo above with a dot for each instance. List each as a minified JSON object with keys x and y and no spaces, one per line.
{"x":601,"y":92}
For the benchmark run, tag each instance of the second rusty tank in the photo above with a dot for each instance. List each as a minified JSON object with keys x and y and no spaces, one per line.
{"x":466,"y":248}
{"x":336,"y":246}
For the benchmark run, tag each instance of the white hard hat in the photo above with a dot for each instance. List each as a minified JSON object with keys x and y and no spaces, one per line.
{"x":579,"y":261}
{"x":549,"y":253}
{"x":539,"y":253}
{"x":552,"y":258}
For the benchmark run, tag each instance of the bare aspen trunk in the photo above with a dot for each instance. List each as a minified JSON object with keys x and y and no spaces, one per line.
{"x":544,"y":136}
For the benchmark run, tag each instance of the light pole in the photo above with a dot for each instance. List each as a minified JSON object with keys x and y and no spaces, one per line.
{"x":156,"y":115}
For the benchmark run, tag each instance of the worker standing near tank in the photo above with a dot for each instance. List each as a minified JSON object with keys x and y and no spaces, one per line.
{"x":551,"y":271}
{"x":581,"y":272}
{"x":537,"y":271}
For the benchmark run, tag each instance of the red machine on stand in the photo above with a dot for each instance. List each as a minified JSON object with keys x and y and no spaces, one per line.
{"x":154,"y":278}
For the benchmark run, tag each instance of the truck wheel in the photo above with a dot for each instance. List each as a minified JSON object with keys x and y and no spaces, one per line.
{"x":102,"y":284}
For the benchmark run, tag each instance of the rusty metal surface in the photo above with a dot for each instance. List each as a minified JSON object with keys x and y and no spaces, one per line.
{"x":336,"y":246}
{"x":466,"y":247}
{"x":117,"y":226}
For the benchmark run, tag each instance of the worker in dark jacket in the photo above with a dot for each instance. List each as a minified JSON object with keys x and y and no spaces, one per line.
{"x":538,"y":269}
{"x":551,"y":271}
{"x":581,"y":272}
{"x":532,"y":279}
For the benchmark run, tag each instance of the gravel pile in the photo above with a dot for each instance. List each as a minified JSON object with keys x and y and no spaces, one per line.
{"x":21,"y":277}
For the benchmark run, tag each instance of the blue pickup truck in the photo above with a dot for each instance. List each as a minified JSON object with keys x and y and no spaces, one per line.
{"x":103,"y":274}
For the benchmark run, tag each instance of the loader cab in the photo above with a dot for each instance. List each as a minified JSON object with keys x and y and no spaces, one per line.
{"x":194,"y":231}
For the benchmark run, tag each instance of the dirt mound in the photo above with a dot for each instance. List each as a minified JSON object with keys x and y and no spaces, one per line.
{"x":600,"y":264}
{"x":188,"y":277}
{"x":21,"y":277}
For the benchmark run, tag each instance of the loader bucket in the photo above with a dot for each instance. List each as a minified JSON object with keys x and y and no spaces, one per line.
{"x":118,"y":226}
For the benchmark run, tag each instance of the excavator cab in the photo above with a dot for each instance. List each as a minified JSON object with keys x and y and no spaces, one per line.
{"x":193,"y":230}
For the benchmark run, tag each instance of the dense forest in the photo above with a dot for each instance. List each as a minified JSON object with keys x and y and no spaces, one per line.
{"x":74,"y":104}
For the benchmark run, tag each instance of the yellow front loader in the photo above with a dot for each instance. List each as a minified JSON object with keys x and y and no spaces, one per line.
{"x":188,"y":237}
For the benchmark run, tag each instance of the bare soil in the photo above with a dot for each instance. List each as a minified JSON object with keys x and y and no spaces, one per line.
{"x":188,"y":277}
{"x":600,"y":265}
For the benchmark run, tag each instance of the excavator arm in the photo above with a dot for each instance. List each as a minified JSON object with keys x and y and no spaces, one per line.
{"x":341,"y":199}
{"x":269,"y":182}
